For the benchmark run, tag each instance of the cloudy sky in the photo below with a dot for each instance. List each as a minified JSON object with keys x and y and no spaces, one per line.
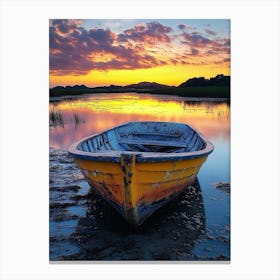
{"x":120,"y":52}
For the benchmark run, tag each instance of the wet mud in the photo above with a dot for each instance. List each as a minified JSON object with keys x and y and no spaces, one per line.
{"x":84,"y":227}
{"x":223,"y":186}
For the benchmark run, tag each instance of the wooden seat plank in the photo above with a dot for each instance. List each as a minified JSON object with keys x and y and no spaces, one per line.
{"x":153,"y":143}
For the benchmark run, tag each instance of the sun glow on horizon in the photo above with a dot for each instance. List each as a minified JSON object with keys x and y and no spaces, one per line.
{"x":171,"y":76}
{"x":132,"y":103}
{"x":161,"y":51}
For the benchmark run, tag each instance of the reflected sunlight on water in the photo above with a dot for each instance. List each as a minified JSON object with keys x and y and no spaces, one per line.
{"x":102,"y":111}
{"x":83,"y":227}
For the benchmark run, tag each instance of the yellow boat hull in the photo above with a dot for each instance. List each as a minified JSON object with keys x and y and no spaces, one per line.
{"x":139,"y":166}
{"x":137,"y":189}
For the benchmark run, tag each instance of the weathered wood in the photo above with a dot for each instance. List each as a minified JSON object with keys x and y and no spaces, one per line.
{"x":89,"y":146}
{"x":142,"y":181}
{"x":153,"y":143}
{"x":130,"y":138}
{"x":166,"y":135}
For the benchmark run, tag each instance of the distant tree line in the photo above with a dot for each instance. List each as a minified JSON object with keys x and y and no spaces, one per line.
{"x":219,"y":80}
{"x":215,"y":87}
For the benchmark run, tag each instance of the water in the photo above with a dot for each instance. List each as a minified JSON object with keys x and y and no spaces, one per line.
{"x":196,"y":226}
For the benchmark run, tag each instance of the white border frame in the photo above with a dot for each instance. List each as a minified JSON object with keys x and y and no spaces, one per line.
{"x":24,"y":153}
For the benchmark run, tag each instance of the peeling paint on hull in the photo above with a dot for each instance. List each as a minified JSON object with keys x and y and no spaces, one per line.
{"x":134,"y":183}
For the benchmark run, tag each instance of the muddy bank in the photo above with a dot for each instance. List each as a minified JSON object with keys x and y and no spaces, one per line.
{"x":84,"y":227}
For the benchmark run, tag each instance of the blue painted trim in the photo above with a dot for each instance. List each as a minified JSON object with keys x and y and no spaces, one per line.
{"x":139,"y":158}
{"x":114,"y":156}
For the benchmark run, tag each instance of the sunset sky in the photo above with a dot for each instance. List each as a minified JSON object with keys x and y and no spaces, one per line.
{"x":121,"y":52}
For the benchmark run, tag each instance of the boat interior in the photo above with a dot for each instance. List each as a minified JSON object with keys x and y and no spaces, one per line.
{"x":145,"y":137}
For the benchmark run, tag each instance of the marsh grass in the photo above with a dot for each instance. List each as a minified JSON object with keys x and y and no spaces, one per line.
{"x":78,"y":119}
{"x":56,"y":118}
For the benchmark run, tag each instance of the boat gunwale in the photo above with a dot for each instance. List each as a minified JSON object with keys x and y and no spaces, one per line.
{"x":115,"y":156}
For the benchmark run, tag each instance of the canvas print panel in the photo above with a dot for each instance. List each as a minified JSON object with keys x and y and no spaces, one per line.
{"x":139,"y":130}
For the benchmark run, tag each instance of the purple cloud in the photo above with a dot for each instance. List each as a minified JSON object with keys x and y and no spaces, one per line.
{"x":195,"y":39}
{"x":194,"y":51}
{"x":200,"y":45}
{"x":182,"y":26}
{"x":185,"y":27}
{"x":65,"y":25}
{"x":150,"y":33}
{"x":210,"y":32}
{"x":76,"y":51}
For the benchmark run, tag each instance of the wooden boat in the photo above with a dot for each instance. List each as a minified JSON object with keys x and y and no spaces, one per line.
{"x":140,"y":166}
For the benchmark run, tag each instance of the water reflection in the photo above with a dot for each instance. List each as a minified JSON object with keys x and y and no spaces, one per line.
{"x":84,"y":227}
{"x":169,"y":234}
{"x":102,"y":111}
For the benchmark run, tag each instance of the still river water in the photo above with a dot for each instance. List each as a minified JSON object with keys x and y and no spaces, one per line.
{"x":82,"y":227}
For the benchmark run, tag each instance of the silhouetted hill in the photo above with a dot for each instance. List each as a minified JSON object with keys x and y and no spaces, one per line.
{"x":219,"y":80}
{"x":218,"y":86}
{"x":147,"y":85}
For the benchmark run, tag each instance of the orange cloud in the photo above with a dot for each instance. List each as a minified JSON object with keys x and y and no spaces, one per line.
{"x":73,"y":50}
{"x":76,"y":51}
